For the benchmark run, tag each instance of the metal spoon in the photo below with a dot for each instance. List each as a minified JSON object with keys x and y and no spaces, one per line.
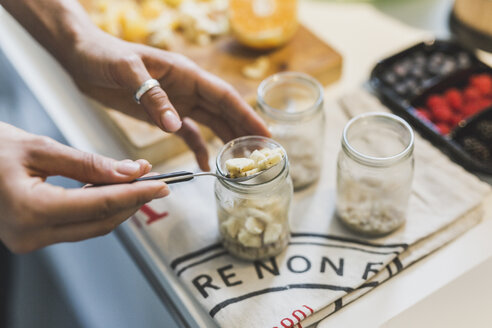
{"x":182,"y":176}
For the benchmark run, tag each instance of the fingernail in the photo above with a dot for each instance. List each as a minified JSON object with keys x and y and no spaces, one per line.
{"x":127,"y":167}
{"x":163,"y":192}
{"x":145,"y":164}
{"x":170,"y":121}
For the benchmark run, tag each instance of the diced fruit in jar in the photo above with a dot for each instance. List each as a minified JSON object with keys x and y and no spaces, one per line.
{"x":248,"y":239}
{"x":232,"y":226}
{"x":254,"y":226}
{"x":272,"y":233}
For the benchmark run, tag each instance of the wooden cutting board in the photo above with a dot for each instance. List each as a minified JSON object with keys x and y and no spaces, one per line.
{"x":226,"y":58}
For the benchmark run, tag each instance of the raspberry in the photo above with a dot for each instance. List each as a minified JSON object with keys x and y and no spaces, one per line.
{"x":471,"y":108}
{"x":455,"y":120}
{"x":471,"y":93}
{"x":453,"y":98}
{"x":483,"y":82}
{"x":423,"y":114}
{"x":443,"y":128}
{"x":442,"y":113}
{"x":484,"y":103}
{"x":434,"y":101}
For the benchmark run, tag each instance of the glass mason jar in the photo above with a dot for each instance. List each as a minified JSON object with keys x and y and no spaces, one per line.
{"x":253,"y":215}
{"x":291,"y":103}
{"x":375,"y":172}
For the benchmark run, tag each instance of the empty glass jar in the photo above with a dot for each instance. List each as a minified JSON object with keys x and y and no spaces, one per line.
{"x":375,"y":172}
{"x":292,"y":105}
{"x":253,"y":215}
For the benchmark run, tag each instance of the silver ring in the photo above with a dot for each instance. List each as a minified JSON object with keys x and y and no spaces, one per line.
{"x":146,"y":86}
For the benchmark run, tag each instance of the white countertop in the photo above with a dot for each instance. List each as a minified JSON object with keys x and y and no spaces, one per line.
{"x":363,"y":35}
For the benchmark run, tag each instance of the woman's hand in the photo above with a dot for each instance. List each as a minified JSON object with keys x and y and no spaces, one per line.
{"x":36,"y":214}
{"x":110,"y":70}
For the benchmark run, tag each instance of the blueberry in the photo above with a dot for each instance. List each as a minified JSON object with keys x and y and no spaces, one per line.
{"x":401,"y":88}
{"x":484,"y":130}
{"x":417,"y":71}
{"x":419,"y":58}
{"x":400,"y":70}
{"x":464,"y":60}
{"x":476,"y":148}
{"x":389,"y":77}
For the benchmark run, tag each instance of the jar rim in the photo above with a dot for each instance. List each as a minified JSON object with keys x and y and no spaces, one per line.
{"x":249,"y":187}
{"x":281,"y":114}
{"x":374,"y":160}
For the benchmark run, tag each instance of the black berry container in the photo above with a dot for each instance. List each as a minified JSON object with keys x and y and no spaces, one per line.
{"x":445,"y":92}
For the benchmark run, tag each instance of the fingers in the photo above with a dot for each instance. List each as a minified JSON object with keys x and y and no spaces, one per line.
{"x":48,"y":157}
{"x":215,"y":95}
{"x":84,"y":230}
{"x":119,"y":99}
{"x":190,"y":133}
{"x":44,"y":214}
{"x":220,"y":126}
{"x":160,"y":109}
{"x":222,"y":96}
{"x":155,"y":101}
{"x":63,"y":206}
{"x":31,"y":240}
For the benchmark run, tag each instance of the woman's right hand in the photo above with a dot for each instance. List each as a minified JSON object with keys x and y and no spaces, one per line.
{"x":37,"y":214}
{"x":111,"y":70}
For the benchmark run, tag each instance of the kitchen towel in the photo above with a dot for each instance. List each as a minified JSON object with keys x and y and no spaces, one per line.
{"x":324,"y":267}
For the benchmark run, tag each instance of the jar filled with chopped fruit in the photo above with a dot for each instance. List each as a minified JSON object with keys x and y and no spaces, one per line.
{"x":253,"y":214}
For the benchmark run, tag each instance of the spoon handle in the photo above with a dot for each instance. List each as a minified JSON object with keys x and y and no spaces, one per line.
{"x":169,"y":178}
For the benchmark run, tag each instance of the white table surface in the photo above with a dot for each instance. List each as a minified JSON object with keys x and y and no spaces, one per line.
{"x":363,"y":35}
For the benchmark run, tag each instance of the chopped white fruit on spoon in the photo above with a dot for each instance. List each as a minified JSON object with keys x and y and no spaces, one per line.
{"x":259,"y":160}
{"x":237,"y":166}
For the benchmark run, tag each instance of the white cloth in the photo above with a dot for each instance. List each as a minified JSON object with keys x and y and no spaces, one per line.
{"x":325,"y":267}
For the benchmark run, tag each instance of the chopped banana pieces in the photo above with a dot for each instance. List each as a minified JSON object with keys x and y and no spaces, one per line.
{"x":254,"y":226}
{"x":249,"y":239}
{"x":257,"y":156}
{"x":238,"y":166}
{"x":269,"y":161}
{"x":272,"y":233}
{"x":257,"y":69}
{"x":259,"y":160}
{"x":258,"y":214}
{"x":158,"y":22}
{"x":232,"y":226}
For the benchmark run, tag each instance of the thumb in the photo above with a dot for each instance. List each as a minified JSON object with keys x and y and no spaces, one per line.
{"x":48,"y":158}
